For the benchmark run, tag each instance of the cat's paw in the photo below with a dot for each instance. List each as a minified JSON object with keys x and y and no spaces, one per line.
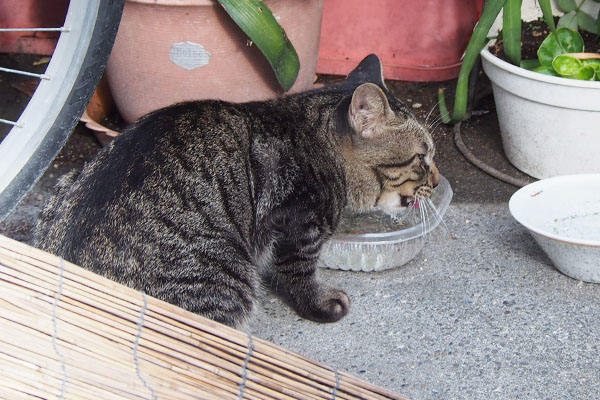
{"x":330,"y":306}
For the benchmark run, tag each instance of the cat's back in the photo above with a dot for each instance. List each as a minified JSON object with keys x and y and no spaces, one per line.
{"x":165,"y":180}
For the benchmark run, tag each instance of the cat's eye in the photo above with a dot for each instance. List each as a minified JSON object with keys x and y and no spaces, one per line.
{"x":424,"y":165}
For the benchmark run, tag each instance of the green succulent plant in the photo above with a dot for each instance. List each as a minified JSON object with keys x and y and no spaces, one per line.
{"x":561,"y":54}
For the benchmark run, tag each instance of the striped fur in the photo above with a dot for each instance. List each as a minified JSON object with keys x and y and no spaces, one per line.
{"x":197,"y":202}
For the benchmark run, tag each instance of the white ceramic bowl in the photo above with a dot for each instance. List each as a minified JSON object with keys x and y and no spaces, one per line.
{"x":376,"y":242}
{"x":563,"y":215}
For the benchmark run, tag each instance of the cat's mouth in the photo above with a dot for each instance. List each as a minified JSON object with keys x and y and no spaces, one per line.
{"x":410,"y":202}
{"x":402,"y":205}
{"x":406,"y":201}
{"x":395,"y":203}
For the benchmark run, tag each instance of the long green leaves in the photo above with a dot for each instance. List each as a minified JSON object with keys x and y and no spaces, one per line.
{"x":548,"y":17}
{"x":511,"y":35}
{"x":511,"y":31}
{"x":257,"y":21}
{"x":547,"y":12}
{"x":476,"y":44}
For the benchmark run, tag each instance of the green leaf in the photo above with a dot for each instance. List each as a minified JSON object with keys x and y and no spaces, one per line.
{"x":549,"y":49}
{"x":476,"y":43}
{"x":568,"y":21}
{"x":569,"y":42}
{"x":511,"y":30}
{"x":567,"y":5}
{"x":594,"y":63}
{"x":585,"y":74}
{"x":530,"y":64}
{"x":566,"y":65}
{"x":546,"y":70}
{"x":587,"y":22}
{"x":257,"y":21}
{"x":444,"y":114}
{"x":547,"y":12}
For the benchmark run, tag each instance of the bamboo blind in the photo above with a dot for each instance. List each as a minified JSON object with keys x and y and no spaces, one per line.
{"x":67,"y":333}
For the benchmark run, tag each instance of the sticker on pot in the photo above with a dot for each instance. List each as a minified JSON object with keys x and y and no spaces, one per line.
{"x":189,"y":55}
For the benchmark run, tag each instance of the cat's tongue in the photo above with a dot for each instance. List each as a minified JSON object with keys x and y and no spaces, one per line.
{"x":416,"y":204}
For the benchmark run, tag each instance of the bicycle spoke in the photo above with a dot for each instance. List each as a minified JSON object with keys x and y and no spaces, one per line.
{"x":61,"y":29}
{"x":19,"y":72}
{"x":13,"y":123}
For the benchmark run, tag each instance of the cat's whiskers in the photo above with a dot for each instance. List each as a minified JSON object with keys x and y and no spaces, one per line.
{"x":435,"y":124}
{"x":418,"y":216}
{"x":412,"y":214}
{"x":430,"y":111}
{"x":424,"y":216}
{"x":422,"y":224}
{"x":439,"y":217}
{"x":432,"y":216}
{"x":435,"y":120}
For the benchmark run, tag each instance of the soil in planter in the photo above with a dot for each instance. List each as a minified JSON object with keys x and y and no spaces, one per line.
{"x":532,"y":35}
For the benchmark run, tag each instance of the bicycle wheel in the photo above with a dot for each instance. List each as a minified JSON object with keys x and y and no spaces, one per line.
{"x":61,"y":97}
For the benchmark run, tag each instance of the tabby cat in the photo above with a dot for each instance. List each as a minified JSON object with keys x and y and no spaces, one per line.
{"x":196,"y":203}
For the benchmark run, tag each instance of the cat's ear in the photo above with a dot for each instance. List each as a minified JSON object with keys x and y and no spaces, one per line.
{"x":368,"y":70}
{"x":369,"y":110}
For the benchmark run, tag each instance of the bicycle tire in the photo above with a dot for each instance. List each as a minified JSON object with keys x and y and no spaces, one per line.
{"x":57,"y":104}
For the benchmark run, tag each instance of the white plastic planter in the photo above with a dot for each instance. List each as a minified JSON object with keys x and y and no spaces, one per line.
{"x":549,"y":125}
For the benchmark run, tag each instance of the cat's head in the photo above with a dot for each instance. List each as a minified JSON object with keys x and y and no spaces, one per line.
{"x":388,"y":154}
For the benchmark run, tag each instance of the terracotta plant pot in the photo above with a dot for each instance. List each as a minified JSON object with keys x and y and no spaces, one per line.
{"x":415,"y":40}
{"x":168,"y":51}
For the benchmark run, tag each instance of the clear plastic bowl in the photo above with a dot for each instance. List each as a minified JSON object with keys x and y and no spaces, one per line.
{"x":375,"y":241}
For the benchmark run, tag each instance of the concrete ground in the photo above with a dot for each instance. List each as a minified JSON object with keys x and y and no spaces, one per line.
{"x":480,"y":313}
